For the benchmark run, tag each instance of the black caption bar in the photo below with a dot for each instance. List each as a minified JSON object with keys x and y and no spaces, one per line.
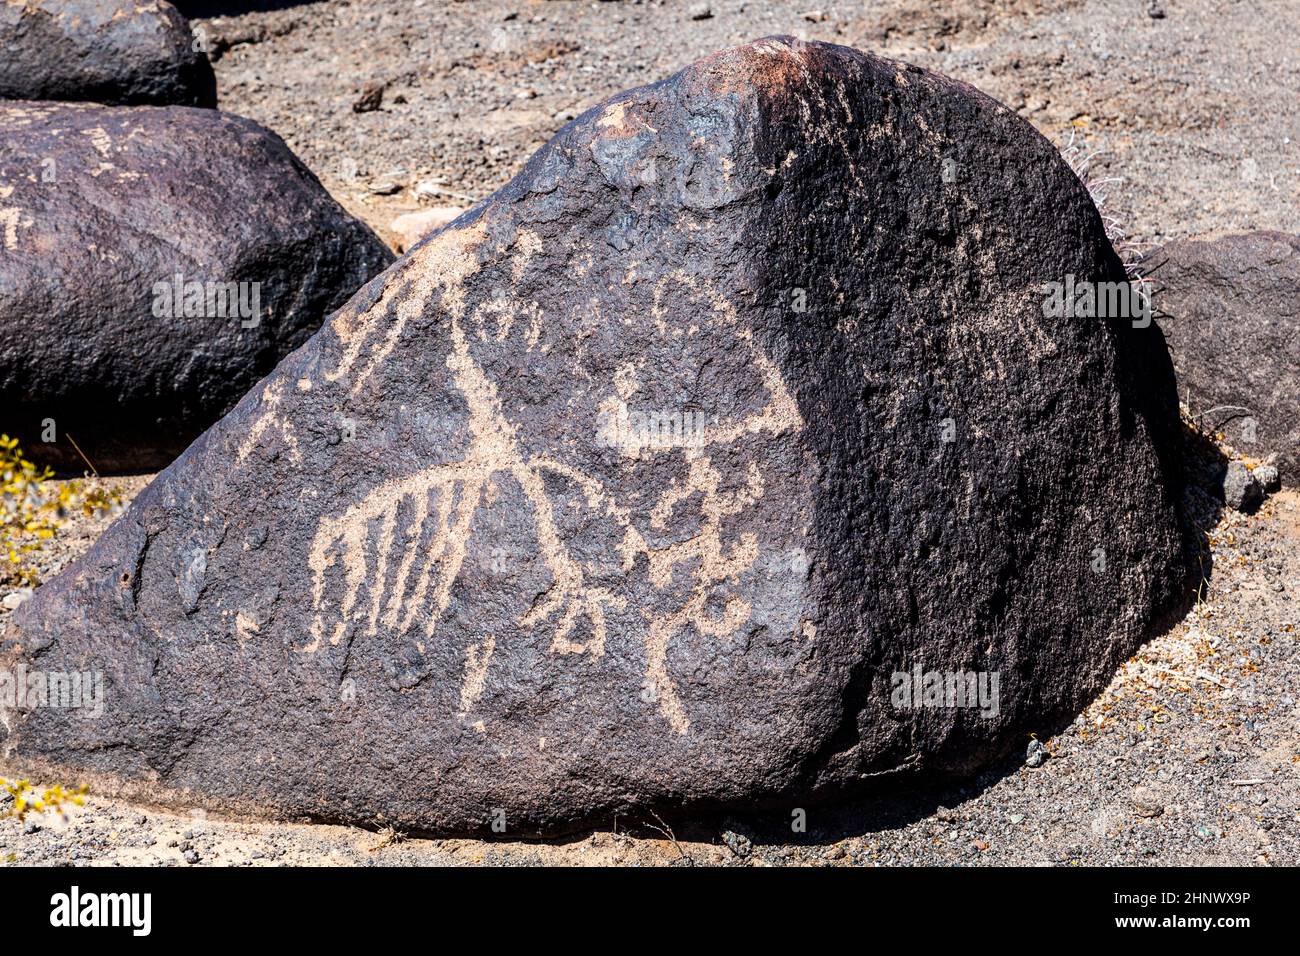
{"x":335,"y":906}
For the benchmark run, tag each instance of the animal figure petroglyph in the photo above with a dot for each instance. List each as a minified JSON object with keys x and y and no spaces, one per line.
{"x":449,"y":496}
{"x":411,"y":592}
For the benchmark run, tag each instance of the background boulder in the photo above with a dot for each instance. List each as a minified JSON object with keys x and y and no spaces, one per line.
{"x":135,"y":244}
{"x":1231,"y":308}
{"x":652,"y":482}
{"x":116,"y":52}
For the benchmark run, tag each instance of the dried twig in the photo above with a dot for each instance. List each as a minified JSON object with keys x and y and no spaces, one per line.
{"x":667,"y":831}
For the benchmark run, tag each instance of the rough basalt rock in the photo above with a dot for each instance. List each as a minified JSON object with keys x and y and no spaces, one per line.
{"x":115,"y":52}
{"x":644,"y":484}
{"x":1232,"y":317}
{"x":101,"y":210}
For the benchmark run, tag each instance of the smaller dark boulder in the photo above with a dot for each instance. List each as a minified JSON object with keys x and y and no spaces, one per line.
{"x":155,"y":262}
{"x":115,"y":52}
{"x":1230,"y":310}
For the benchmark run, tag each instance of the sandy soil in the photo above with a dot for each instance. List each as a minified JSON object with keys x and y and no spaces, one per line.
{"x":1192,"y":755}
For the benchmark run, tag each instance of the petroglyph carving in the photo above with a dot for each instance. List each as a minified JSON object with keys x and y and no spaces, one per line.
{"x":477,"y":659}
{"x":10,"y":220}
{"x":434,"y":509}
{"x":272,"y":397}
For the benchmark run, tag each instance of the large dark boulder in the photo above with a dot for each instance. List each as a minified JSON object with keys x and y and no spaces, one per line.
{"x":1232,"y":318}
{"x":116,"y":52}
{"x":101,"y":209}
{"x":644,"y":483}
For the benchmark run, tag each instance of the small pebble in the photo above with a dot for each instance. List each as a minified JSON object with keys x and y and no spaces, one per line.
{"x":1268,"y":477}
{"x":1241,"y":491}
{"x":737,"y":843}
{"x":1036,"y":755}
{"x":371,"y":98}
{"x":13,"y":602}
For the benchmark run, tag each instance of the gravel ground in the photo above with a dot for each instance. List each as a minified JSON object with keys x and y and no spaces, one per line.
{"x":1193,"y":109}
{"x":1192,"y":755}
